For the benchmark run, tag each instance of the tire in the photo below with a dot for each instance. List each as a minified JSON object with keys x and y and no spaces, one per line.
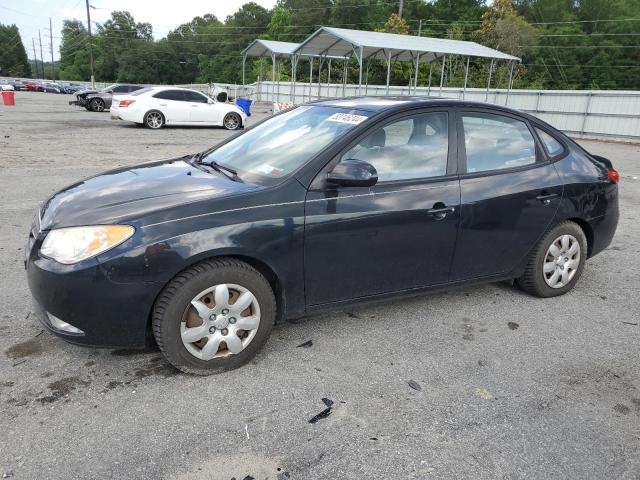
{"x":153,"y":119}
{"x":544,"y":264}
{"x":96,"y":105}
{"x":232,"y":121}
{"x":176,"y":321}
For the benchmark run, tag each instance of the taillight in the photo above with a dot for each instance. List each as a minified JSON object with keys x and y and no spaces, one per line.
{"x":613,"y":175}
{"x":125,"y":103}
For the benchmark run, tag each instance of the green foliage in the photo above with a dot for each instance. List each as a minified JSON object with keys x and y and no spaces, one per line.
{"x":13,"y":56}
{"x":594,"y":47}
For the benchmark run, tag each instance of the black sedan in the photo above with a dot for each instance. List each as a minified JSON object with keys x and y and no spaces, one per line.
{"x":324,"y":205}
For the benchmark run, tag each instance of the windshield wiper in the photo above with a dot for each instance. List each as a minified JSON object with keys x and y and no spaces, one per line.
{"x":219,"y":167}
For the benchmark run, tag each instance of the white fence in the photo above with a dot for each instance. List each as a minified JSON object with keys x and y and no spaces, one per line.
{"x":577,"y":112}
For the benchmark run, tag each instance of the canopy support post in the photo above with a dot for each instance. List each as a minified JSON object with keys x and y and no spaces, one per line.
{"x":345,"y":73}
{"x":273,"y":77}
{"x":486,"y":95}
{"x":329,"y":79}
{"x":388,"y":70}
{"x":244,"y":61}
{"x":415,"y":80}
{"x":430,"y":72}
{"x":466,"y":76}
{"x":444,"y":61}
{"x":310,"y":75}
{"x":512,"y":64}
{"x":360,"y":76}
{"x":319,"y":71}
{"x":278,"y":91}
{"x":292,"y":89}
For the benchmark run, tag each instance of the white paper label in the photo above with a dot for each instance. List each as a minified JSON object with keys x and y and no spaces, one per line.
{"x":347,"y":118}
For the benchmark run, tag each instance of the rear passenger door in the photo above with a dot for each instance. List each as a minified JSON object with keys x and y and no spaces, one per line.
{"x":173,"y":106}
{"x":510,"y":192}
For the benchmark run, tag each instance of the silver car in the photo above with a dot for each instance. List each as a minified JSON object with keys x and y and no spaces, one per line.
{"x":101,"y":101}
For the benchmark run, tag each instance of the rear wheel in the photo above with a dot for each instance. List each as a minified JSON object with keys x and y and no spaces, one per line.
{"x":557,"y":262}
{"x":153,"y":119}
{"x":214,"y":316}
{"x":232,"y":121}
{"x":96,"y":105}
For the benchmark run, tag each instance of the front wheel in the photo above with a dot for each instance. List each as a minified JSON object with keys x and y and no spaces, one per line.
{"x":232,"y":121}
{"x":96,"y":105}
{"x":557,"y":262}
{"x":214,"y":316}
{"x":153,"y":119}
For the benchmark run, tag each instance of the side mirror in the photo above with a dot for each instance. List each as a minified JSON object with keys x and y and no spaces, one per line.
{"x":211,"y":100}
{"x":109,"y":91}
{"x":353,"y":173}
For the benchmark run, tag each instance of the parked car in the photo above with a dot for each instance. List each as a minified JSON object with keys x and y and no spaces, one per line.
{"x":18,"y":85}
{"x":72,"y":88}
{"x":32,"y":85}
{"x":81,"y":96}
{"x":101,"y":101}
{"x":324,"y":205}
{"x":155,"y":107}
{"x":49,"y":87}
{"x":6,"y":86}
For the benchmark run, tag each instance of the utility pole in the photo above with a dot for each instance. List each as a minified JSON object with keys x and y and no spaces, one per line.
{"x":420,"y":28}
{"x":53,"y":71}
{"x":41,"y":57}
{"x":35,"y":56}
{"x":400,"y":8}
{"x":93,"y":78}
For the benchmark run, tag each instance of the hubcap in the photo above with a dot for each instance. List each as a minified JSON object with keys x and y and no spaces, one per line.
{"x":561,"y":262}
{"x":220,"y":321}
{"x":154,"y":120}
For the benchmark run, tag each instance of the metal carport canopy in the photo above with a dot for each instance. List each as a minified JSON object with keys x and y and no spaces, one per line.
{"x":263,"y":48}
{"x":342,"y":42}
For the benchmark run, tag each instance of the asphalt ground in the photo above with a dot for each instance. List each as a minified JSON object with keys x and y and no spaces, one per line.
{"x":483,"y":382}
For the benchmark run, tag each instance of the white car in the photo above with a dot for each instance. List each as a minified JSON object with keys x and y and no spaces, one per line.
{"x":155,"y":107}
{"x":6,"y":86}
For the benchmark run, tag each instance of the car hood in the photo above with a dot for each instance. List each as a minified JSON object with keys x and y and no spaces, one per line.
{"x":132,"y":192}
{"x":84,"y":93}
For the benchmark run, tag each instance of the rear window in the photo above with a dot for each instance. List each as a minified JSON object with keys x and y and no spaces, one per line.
{"x":142,"y":90}
{"x":170,"y":95}
{"x":551,"y":145}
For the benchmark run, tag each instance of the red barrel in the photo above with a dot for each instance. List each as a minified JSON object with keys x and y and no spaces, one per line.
{"x":8,"y":98}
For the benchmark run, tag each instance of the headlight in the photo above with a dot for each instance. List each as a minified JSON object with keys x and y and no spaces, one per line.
{"x":73,"y":244}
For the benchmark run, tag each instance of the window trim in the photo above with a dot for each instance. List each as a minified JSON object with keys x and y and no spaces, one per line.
{"x":558,"y":156}
{"x":541,"y":157}
{"x":318,"y":183}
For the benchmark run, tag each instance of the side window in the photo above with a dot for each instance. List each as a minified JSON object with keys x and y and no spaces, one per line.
{"x":170,"y":95}
{"x":551,"y":145}
{"x":414,"y":147}
{"x":195,"y":97}
{"x":121,"y":89}
{"x":495,"y":142}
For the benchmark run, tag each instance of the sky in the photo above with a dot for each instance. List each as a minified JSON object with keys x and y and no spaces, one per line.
{"x":164,"y":15}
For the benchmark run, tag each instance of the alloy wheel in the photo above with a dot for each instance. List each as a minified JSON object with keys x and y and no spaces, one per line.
{"x":220,"y":321}
{"x":561,"y":262}
{"x":231,"y":121}
{"x":98,"y":105}
{"x":154,"y":120}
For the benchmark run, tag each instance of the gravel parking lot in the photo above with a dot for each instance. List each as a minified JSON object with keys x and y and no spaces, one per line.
{"x":483,"y":382}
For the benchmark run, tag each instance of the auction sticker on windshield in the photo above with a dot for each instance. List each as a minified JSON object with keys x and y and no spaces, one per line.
{"x":347,"y":118}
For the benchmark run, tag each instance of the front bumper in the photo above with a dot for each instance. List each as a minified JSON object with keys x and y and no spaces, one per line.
{"x":109,"y":313}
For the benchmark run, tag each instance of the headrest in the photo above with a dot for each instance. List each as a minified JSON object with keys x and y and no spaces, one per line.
{"x":377,"y":139}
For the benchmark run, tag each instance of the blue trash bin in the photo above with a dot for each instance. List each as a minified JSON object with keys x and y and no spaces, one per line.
{"x":244,"y":104}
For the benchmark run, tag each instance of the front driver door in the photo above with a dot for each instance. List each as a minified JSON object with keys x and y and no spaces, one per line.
{"x":200,"y":109}
{"x":397,"y":235}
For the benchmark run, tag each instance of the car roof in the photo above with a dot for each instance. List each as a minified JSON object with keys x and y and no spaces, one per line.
{"x":397,"y":103}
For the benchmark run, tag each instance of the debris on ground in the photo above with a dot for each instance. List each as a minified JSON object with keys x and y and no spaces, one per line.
{"x":415,"y":385}
{"x":483,"y":393}
{"x":513,"y":325}
{"x":307,"y":344}
{"x":325,"y":413}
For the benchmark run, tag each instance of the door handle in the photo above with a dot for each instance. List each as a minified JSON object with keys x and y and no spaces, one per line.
{"x":546,"y":198}
{"x":194,"y":106}
{"x":440,"y":212}
{"x":163,"y":104}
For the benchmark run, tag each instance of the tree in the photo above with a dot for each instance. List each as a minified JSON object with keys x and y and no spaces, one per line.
{"x":13,"y":56}
{"x":74,"y":51}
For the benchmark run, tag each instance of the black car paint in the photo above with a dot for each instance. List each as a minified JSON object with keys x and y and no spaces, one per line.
{"x":320,"y":246}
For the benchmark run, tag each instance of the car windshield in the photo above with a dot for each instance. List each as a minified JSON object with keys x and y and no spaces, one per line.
{"x":279,"y":146}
